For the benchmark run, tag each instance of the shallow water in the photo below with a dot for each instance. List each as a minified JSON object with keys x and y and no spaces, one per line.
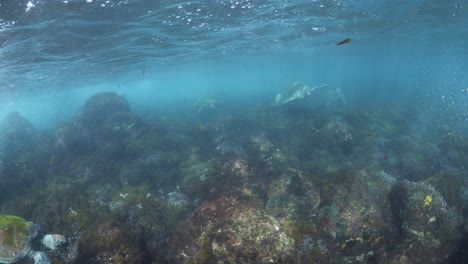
{"x":200,"y":79}
{"x":399,"y":49}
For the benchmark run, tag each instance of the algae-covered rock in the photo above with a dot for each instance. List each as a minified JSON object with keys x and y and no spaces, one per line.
{"x":292,"y":197}
{"x":232,"y":230}
{"x":110,"y":242}
{"x":101,"y":106}
{"x":17,"y":137}
{"x":427,"y":225}
{"x":354,"y":220}
{"x":15,"y":237}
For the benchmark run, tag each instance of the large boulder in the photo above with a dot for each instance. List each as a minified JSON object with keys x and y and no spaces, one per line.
{"x":231,"y":229}
{"x":100,"y":107}
{"x":427,"y":225}
{"x":17,"y":135}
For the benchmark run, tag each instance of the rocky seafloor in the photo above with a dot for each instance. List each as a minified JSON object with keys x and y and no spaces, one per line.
{"x":345,"y":185}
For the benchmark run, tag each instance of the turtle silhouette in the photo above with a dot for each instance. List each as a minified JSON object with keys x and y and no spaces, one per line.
{"x":16,"y":236}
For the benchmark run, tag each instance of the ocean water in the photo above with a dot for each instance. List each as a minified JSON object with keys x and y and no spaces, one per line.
{"x":188,"y":66}
{"x":56,"y":53}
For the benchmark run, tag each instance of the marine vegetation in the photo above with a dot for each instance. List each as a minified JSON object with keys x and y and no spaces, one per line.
{"x":338,"y":184}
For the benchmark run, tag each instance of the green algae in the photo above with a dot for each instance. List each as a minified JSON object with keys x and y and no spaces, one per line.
{"x":111,"y":240}
{"x":205,"y":253}
{"x":15,"y":233}
{"x":297,"y":231}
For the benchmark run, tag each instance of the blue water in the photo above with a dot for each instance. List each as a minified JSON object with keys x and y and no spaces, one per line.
{"x":55,"y":54}
{"x":350,"y":178}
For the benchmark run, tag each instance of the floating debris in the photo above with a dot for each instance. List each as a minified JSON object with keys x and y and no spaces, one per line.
{"x":348,"y":40}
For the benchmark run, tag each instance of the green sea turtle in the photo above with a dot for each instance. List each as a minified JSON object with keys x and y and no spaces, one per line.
{"x":16,"y":235}
{"x":297,"y":91}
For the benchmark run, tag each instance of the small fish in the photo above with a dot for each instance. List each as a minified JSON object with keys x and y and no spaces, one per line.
{"x":348,"y":40}
{"x":385,"y":157}
{"x":371,"y":135}
{"x":144,"y":71}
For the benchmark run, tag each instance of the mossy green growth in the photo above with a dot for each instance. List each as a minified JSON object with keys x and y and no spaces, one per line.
{"x":205,"y":254}
{"x":298,"y":230}
{"x":15,"y":233}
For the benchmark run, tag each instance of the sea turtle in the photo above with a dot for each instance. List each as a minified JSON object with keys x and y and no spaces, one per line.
{"x":16,"y":236}
{"x":297,"y":91}
{"x":206,"y":109}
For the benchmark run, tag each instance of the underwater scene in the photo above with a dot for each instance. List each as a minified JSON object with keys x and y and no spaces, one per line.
{"x":233,"y":131}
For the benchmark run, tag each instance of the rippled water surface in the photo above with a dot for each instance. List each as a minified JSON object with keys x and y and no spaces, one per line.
{"x":397,"y":45}
{"x":50,"y":39}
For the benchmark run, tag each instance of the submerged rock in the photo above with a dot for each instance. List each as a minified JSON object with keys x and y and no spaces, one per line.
{"x":101,"y":106}
{"x":292,"y":197}
{"x":74,"y":139}
{"x":427,"y":225}
{"x":15,"y":126}
{"x":106,"y":125}
{"x":354,"y":222}
{"x":53,"y":241}
{"x":123,"y":125}
{"x":230,"y":229}
{"x":110,"y":242}
{"x":17,"y":136}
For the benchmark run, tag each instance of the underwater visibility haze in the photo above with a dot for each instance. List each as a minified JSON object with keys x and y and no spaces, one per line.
{"x":233,"y":131}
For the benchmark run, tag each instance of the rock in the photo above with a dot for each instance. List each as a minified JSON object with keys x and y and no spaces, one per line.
{"x":426,"y":224}
{"x":16,"y":135}
{"x":122,"y":125}
{"x":40,"y":258}
{"x":53,"y":241}
{"x":109,"y":242}
{"x":337,"y":135}
{"x":200,"y":177}
{"x":101,"y":106}
{"x":74,"y":138}
{"x":354,"y":222}
{"x":15,"y":125}
{"x":233,"y":229}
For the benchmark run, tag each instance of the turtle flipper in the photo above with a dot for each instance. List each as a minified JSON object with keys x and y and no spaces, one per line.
{"x":40,"y":257}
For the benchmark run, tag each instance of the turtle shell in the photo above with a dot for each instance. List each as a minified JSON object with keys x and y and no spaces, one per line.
{"x":15,"y":238}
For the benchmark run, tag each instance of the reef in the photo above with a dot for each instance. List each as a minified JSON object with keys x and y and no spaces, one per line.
{"x":275,"y":183}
